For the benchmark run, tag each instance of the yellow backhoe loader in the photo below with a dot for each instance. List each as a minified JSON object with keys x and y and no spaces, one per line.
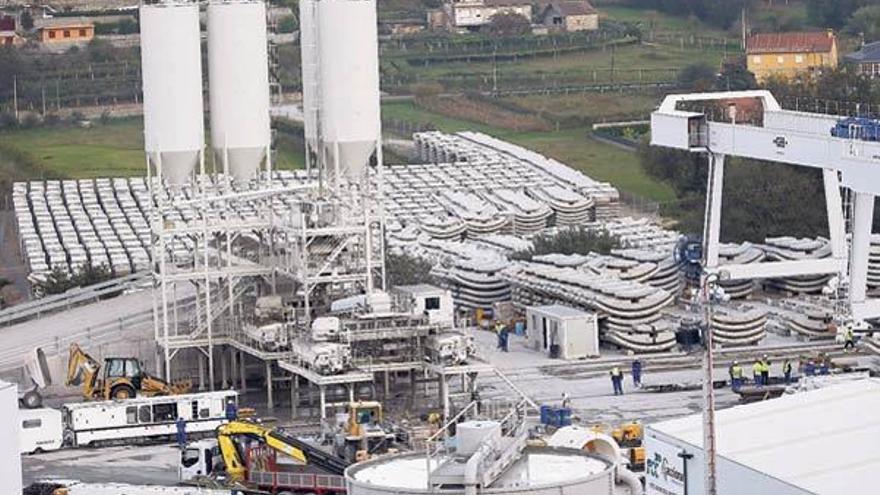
{"x":123,"y":378}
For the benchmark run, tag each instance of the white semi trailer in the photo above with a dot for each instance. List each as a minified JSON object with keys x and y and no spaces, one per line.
{"x":138,"y":420}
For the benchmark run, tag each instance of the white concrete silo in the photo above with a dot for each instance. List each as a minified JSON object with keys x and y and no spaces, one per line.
{"x":348,"y":50}
{"x":238,"y":82}
{"x":310,"y":77}
{"x":171,"y":66}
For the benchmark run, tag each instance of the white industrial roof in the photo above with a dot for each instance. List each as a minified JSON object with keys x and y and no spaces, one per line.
{"x":823,"y":441}
{"x":560,"y":311}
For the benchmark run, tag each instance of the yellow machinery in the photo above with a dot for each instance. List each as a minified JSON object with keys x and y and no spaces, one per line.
{"x":123,"y":378}
{"x":628,"y":434}
{"x":364,"y":434}
{"x":230,"y":439}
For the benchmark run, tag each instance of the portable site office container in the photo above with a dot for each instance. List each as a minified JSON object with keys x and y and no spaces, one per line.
{"x":566,"y":332}
{"x":144,"y":418}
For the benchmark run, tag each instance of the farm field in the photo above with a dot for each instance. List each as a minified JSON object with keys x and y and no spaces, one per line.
{"x":113,"y":149}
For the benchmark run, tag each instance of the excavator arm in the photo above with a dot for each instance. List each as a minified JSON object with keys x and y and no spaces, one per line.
{"x":82,"y":371}
{"x":274,"y":438}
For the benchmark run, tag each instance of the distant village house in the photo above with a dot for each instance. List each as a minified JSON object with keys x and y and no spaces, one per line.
{"x":866,"y":60}
{"x":570,"y":16}
{"x":471,"y":15}
{"x":8,"y":34}
{"x":790,"y":54}
{"x":65,"y":30}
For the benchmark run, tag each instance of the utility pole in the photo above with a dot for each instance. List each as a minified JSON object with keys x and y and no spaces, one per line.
{"x":15,"y":97}
{"x":707,"y":284}
{"x":744,"y":29}
{"x":495,"y":70}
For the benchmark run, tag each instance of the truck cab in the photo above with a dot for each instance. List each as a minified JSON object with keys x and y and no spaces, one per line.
{"x":198,"y":459}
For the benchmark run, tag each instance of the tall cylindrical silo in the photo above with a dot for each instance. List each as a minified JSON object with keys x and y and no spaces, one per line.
{"x":348,"y":50}
{"x":171,"y":67}
{"x":310,"y":76}
{"x":238,"y":83}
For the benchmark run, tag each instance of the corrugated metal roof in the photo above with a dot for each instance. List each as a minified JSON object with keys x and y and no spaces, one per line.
{"x":824,"y":441}
{"x":808,"y":42}
{"x":867,"y":54}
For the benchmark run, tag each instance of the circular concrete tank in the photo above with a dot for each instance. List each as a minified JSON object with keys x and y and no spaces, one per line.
{"x":540,"y":471}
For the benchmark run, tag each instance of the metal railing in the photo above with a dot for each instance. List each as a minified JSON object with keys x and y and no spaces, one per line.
{"x":15,"y":356}
{"x":47,"y":305}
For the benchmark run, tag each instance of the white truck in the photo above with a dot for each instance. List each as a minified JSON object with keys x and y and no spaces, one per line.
{"x":324,"y":358}
{"x":450,"y":348}
{"x":271,"y":337}
{"x":40,"y":430}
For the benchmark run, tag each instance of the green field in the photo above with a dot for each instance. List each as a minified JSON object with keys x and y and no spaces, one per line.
{"x":578,"y":65}
{"x":114,"y":149}
{"x":594,"y":107}
{"x":653,"y":19}
{"x":573,"y":147}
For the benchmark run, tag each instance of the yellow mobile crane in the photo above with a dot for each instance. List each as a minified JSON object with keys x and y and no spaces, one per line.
{"x":123,"y":378}
{"x":277,"y":439}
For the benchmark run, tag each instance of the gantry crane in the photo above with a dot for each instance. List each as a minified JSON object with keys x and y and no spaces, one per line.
{"x":780,"y":136}
{"x":789,"y":137}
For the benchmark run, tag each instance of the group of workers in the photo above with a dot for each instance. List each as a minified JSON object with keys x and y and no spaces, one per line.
{"x":820,"y":365}
{"x":617,"y":376}
{"x":231,"y":415}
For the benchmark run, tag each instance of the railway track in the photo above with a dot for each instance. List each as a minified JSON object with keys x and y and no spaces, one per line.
{"x":667,"y":362}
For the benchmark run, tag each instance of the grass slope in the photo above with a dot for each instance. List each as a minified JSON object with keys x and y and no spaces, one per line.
{"x":114,"y":149}
{"x":571,"y":146}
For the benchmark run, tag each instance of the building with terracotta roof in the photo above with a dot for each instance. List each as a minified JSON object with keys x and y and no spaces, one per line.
{"x":789,"y":54}
{"x":68,"y":30}
{"x":570,"y":16}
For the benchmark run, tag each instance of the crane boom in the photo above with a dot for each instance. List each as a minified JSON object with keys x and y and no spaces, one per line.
{"x":275,"y":438}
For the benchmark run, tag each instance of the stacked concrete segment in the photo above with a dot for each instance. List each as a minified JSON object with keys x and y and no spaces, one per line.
{"x":791,"y":248}
{"x":631,"y":313}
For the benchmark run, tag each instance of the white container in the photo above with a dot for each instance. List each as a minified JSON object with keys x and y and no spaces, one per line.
{"x":171,"y":66}
{"x":10,"y":463}
{"x":238,"y":77}
{"x":575,"y":332}
{"x":348,"y":49}
{"x":41,"y":430}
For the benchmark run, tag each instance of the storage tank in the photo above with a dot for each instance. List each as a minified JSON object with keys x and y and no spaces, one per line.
{"x":348,"y":50}
{"x":539,"y":471}
{"x":309,"y":56}
{"x":171,"y":67}
{"x":238,"y":82}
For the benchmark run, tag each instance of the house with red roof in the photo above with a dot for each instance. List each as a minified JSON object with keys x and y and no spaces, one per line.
{"x":790,"y":54}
